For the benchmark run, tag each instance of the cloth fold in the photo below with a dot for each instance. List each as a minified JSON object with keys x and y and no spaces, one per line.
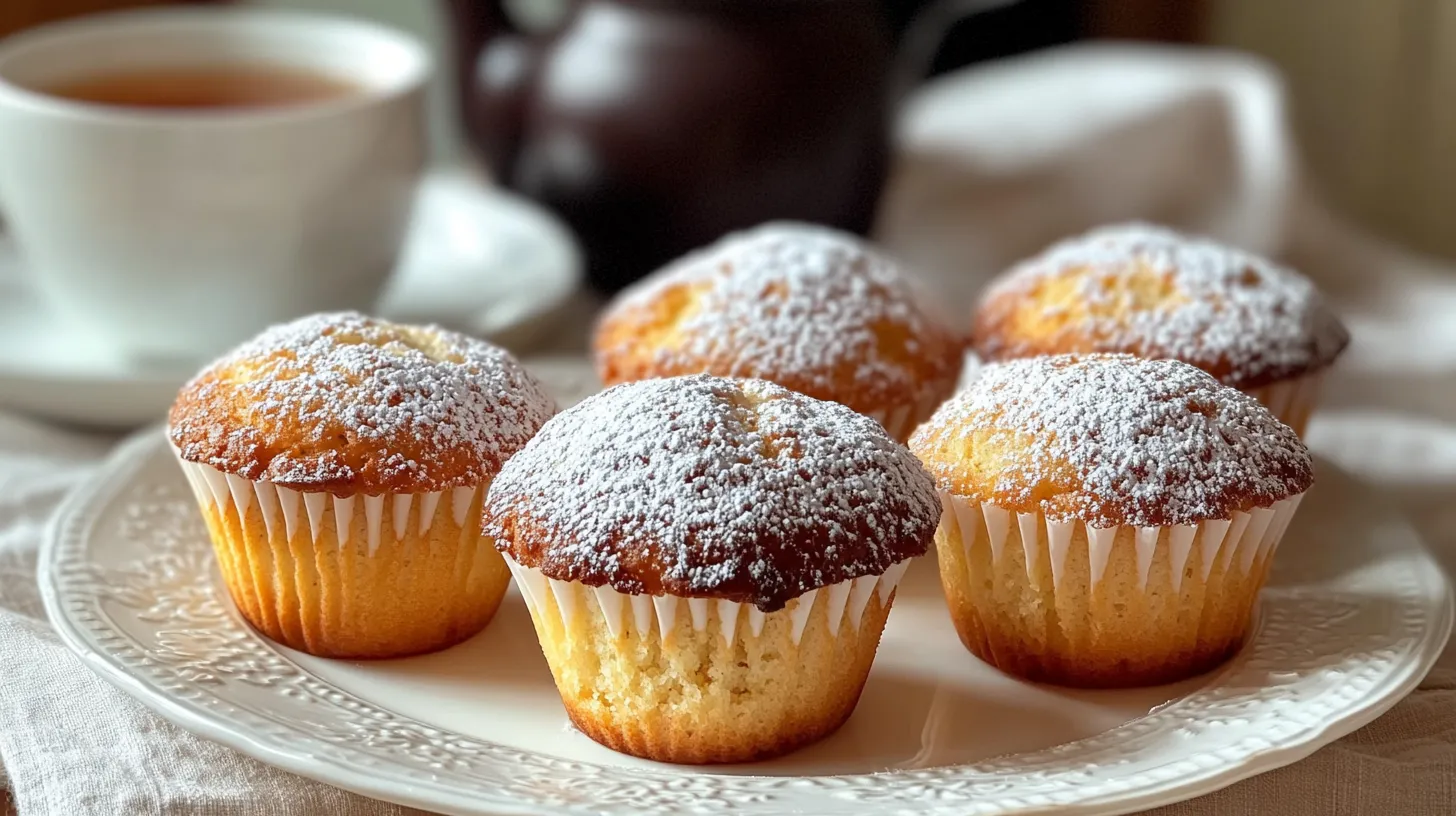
{"x":995,"y":162}
{"x":72,"y":745}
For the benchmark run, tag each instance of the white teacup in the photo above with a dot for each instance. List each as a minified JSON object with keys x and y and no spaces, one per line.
{"x":176,"y":232}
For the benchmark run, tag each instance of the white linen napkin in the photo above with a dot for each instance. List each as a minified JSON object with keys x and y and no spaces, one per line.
{"x":71,"y":744}
{"x":995,"y":162}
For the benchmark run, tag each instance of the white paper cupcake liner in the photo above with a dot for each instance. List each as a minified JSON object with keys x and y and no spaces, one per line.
{"x":971,"y":368}
{"x":847,"y":601}
{"x":1292,"y":400}
{"x":902,"y":420}
{"x":284,"y":509}
{"x":1238,"y":542}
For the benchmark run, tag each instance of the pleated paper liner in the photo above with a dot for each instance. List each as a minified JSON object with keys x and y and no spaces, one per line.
{"x":356,"y":576}
{"x":1291,"y":400}
{"x":693,"y":680}
{"x":902,"y":420}
{"x":1069,"y":603}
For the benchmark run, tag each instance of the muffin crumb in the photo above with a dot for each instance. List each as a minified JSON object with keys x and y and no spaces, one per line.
{"x":1111,"y":440}
{"x":708,"y":487}
{"x":350,"y":404}
{"x":1154,"y":292}
{"x":810,"y":308}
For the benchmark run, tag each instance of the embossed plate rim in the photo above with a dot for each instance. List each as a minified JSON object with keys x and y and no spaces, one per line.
{"x":234,"y":724}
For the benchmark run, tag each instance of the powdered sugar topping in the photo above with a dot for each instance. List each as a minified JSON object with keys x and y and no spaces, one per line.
{"x":348,"y":403}
{"x":1113,"y":439}
{"x":1246,"y":320}
{"x":798,"y":304}
{"x":708,"y":487}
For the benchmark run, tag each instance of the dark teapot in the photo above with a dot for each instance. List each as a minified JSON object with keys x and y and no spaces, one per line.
{"x":655,"y":126}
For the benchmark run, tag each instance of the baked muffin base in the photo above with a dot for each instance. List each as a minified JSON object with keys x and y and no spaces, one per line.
{"x":356,"y":577}
{"x":1114,"y":607}
{"x":1292,"y":400}
{"x":698,"y":681}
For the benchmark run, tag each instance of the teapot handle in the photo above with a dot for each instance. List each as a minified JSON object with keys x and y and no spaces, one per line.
{"x":494,"y":59}
{"x":477,"y":22}
{"x":926,"y":31}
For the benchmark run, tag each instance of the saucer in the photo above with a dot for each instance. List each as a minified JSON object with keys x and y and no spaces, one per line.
{"x":477,"y":259}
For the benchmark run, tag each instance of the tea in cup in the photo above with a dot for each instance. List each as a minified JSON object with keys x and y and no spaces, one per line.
{"x":177,"y":179}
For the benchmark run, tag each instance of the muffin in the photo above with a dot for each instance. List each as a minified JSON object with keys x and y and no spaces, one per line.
{"x":1149,"y":291}
{"x":1109,"y":520}
{"x":341,"y":462}
{"x":812,"y":309}
{"x":709,"y":562}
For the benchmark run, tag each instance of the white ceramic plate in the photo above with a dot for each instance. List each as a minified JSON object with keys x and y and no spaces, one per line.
{"x":477,"y":259}
{"x":1355,"y":614}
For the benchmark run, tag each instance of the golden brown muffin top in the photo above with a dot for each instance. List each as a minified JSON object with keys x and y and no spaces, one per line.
{"x":812,"y":309}
{"x":705,"y":487}
{"x":1111,"y":439}
{"x":349,"y":404}
{"x":1153,"y":292}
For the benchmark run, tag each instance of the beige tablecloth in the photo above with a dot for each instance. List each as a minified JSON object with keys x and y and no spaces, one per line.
{"x":994,"y":163}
